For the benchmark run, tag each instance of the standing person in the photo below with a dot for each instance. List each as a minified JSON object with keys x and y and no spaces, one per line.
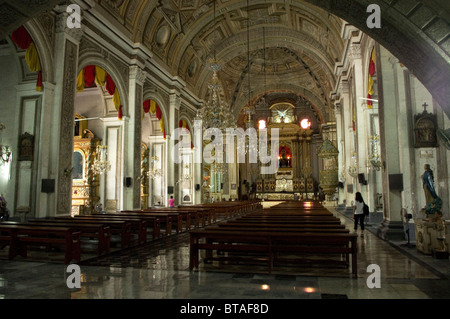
{"x":358,"y":212}
{"x":171,"y":202}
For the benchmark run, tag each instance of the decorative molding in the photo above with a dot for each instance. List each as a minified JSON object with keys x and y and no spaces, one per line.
{"x":136,"y":73}
{"x":61,"y":26}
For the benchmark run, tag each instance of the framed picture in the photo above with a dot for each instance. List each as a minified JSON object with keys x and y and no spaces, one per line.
{"x":425,"y":126}
{"x":26,"y":147}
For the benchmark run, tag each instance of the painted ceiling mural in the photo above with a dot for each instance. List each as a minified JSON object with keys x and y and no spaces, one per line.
{"x":293,"y":47}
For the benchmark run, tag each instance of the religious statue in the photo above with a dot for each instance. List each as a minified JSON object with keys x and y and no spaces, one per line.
{"x":433,"y":202}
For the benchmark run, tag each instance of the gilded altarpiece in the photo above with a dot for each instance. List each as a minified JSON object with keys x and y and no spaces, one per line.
{"x":294,"y":175}
{"x":85,"y":184}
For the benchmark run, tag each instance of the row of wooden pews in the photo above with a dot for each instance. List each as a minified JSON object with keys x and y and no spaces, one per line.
{"x":74,"y":235}
{"x":281,"y":233}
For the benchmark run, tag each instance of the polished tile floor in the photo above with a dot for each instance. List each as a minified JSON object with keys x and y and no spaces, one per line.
{"x":159,"y":270}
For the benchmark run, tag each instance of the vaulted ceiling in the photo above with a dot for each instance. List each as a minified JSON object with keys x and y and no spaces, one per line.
{"x":14,"y":13}
{"x":293,"y":44}
{"x":287,"y":49}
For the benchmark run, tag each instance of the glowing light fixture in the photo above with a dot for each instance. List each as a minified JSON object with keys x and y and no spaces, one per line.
{"x":262,"y":124}
{"x":305,"y":124}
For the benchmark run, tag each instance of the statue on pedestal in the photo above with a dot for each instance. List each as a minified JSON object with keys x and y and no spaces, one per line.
{"x":433,"y":202}
{"x":433,"y":212}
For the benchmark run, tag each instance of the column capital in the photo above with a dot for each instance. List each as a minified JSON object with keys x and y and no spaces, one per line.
{"x":61,"y":27}
{"x":175,"y":100}
{"x":354,"y":51}
{"x":138,"y":74}
{"x":393,"y":60}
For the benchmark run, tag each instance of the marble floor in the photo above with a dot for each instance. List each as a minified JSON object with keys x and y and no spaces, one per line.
{"x":159,"y":270}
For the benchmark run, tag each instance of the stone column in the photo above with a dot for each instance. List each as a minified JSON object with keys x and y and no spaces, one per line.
{"x":392,"y":226}
{"x":347,"y":129}
{"x":363,"y":127}
{"x":132,"y":152}
{"x":340,"y":145}
{"x":172,"y":168}
{"x":66,"y":66}
{"x":45,"y":201}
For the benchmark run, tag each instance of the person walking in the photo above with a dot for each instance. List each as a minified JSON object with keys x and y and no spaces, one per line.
{"x":358,"y":212}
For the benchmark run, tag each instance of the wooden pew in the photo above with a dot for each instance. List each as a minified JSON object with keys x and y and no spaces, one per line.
{"x":279,"y":213}
{"x":99,"y":231}
{"x":201,"y":216}
{"x":279,"y":226}
{"x":21,"y":236}
{"x":140,"y":225}
{"x":292,"y":229}
{"x":283,"y":222}
{"x":167,"y":219}
{"x":122,"y":228}
{"x":179,"y":216}
{"x":270,"y":244}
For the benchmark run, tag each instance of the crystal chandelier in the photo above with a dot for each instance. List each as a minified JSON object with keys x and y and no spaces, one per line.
{"x":186,"y":176}
{"x":374,"y":158}
{"x":101,"y":164}
{"x":5,"y":151}
{"x":219,"y":168}
{"x":215,"y":113}
{"x":154,"y":171}
{"x":353,"y":169}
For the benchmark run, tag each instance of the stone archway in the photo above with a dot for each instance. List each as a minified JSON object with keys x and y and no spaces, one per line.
{"x":416,"y":33}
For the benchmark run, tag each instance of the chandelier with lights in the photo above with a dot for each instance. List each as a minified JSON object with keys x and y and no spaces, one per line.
{"x":353,"y":168}
{"x":215,"y":113}
{"x":374,"y":157}
{"x":154,"y":171}
{"x":5,"y":150}
{"x":101,"y":164}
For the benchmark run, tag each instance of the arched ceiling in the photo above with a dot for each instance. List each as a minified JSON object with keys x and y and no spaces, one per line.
{"x":302,"y":40}
{"x":182,"y":32}
{"x":14,"y":13}
{"x":295,"y":43}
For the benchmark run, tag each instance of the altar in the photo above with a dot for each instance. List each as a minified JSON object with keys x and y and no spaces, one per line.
{"x":304,"y":151}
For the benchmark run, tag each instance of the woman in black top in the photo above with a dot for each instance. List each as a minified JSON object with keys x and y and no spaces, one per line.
{"x":358,"y":212}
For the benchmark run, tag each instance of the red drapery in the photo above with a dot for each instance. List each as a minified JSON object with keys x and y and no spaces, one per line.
{"x":150,"y":106}
{"x":185,"y":125}
{"x":88,"y":79}
{"x":23,"y":39}
{"x":89,"y":76}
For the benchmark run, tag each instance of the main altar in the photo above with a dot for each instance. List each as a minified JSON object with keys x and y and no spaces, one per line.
{"x":295,"y":177}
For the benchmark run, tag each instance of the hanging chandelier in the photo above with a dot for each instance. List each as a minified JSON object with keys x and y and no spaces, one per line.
{"x":215,"y":113}
{"x":353,"y":168}
{"x":154,"y":171}
{"x":375,"y":158}
{"x":5,"y":150}
{"x":101,"y":164}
